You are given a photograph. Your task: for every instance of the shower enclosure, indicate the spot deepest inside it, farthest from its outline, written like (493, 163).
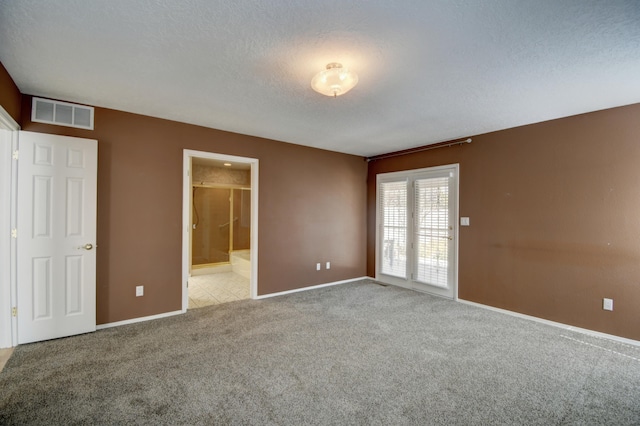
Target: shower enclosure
(221, 223)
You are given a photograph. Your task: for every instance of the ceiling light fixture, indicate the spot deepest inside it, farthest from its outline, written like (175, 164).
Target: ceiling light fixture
(334, 81)
(227, 164)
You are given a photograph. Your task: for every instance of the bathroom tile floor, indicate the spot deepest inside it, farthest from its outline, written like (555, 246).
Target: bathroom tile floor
(213, 289)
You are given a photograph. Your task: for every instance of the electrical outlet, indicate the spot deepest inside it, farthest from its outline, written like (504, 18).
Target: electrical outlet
(328, 265)
(139, 290)
(607, 304)
(318, 267)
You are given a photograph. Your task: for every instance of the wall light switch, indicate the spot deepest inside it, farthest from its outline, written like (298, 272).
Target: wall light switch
(607, 304)
(318, 267)
(139, 290)
(464, 221)
(328, 265)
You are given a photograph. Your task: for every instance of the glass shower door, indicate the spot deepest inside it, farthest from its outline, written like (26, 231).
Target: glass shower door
(210, 237)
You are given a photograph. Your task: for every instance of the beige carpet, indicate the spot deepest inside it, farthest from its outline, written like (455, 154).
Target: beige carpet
(358, 353)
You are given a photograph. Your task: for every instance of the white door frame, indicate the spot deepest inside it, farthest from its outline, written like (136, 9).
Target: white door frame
(8, 192)
(456, 200)
(186, 217)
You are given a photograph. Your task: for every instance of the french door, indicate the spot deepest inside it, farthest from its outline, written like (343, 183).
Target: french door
(417, 229)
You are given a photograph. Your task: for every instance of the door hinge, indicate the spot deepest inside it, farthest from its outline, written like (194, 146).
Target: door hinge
(14, 233)
(14, 312)
(15, 154)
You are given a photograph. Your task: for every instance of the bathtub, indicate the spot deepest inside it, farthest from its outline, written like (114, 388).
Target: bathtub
(241, 262)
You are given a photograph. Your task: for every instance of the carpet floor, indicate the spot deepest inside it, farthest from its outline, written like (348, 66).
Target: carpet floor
(356, 354)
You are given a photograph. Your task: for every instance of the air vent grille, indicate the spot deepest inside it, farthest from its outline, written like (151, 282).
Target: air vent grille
(62, 113)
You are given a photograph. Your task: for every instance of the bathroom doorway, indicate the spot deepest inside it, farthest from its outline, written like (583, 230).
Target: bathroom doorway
(220, 229)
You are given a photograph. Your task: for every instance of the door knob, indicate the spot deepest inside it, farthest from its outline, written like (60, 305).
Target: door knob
(87, 246)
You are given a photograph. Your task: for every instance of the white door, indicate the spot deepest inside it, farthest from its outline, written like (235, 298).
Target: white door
(416, 239)
(56, 228)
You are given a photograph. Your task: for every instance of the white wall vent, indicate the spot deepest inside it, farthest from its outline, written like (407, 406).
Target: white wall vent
(62, 113)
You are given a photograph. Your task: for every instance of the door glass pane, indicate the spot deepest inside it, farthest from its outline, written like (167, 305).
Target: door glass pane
(432, 230)
(241, 219)
(211, 220)
(393, 250)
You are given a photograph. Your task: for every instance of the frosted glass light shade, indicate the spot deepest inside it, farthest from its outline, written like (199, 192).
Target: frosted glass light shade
(334, 81)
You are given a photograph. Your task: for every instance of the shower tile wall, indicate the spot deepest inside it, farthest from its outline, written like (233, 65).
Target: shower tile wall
(203, 174)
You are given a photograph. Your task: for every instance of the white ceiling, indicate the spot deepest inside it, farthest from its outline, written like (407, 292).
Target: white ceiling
(430, 70)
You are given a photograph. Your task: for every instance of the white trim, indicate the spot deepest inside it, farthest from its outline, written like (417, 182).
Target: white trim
(313, 287)
(136, 320)
(264, 296)
(8, 182)
(188, 155)
(554, 324)
(7, 121)
(14, 241)
(5, 242)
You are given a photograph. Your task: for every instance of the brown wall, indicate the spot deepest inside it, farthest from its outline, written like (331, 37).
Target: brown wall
(553, 208)
(312, 208)
(10, 96)
(555, 218)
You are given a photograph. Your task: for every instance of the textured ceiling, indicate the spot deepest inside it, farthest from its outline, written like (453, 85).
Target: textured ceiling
(430, 70)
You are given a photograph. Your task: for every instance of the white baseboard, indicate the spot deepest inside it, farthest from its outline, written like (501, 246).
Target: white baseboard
(264, 296)
(313, 287)
(555, 324)
(135, 320)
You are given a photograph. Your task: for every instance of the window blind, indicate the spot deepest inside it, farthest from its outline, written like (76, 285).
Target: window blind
(392, 199)
(432, 230)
